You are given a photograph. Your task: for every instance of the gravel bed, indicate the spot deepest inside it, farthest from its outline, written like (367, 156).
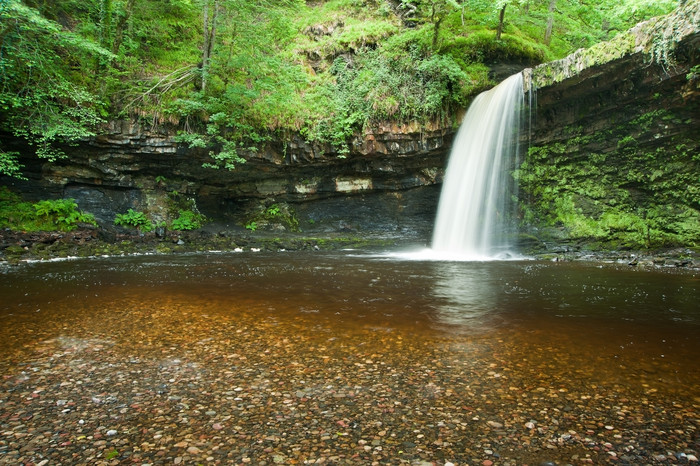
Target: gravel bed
(155, 378)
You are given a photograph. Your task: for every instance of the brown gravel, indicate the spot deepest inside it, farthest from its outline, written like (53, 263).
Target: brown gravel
(151, 376)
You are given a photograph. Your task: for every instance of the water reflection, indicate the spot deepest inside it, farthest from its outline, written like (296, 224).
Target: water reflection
(466, 295)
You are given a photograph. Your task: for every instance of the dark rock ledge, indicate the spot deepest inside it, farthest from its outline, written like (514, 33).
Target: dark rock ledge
(17, 248)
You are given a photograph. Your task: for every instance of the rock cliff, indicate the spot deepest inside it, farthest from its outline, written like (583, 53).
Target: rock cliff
(613, 159)
(614, 150)
(130, 165)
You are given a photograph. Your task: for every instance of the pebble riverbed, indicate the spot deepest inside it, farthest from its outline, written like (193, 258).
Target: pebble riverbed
(145, 374)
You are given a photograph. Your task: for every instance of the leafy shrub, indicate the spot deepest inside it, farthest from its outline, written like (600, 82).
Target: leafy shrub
(46, 215)
(64, 213)
(134, 219)
(188, 220)
(377, 86)
(188, 217)
(9, 165)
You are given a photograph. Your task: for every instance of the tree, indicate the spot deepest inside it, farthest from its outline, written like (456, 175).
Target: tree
(500, 7)
(461, 6)
(210, 10)
(433, 12)
(439, 9)
(550, 22)
(241, 76)
(501, 15)
(105, 23)
(42, 99)
(121, 26)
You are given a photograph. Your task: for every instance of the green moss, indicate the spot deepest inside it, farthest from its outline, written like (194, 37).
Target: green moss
(15, 250)
(657, 39)
(632, 196)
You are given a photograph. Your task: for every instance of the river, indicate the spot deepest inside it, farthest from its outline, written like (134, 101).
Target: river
(347, 358)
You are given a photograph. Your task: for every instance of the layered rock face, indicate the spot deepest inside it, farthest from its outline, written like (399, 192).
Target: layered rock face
(386, 184)
(614, 149)
(613, 159)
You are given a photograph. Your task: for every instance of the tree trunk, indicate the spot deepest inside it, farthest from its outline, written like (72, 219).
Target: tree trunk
(499, 30)
(105, 37)
(436, 17)
(550, 22)
(121, 25)
(436, 32)
(105, 22)
(209, 34)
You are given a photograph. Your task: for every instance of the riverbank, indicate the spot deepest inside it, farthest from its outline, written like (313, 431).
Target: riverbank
(19, 247)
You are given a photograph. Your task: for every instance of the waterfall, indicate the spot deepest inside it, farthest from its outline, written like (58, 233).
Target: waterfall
(476, 210)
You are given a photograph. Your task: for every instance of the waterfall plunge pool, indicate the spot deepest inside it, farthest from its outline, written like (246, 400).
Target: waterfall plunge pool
(348, 359)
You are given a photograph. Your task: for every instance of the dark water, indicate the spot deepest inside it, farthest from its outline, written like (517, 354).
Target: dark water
(590, 311)
(346, 289)
(515, 329)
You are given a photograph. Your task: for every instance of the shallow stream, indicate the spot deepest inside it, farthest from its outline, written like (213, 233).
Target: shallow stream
(347, 358)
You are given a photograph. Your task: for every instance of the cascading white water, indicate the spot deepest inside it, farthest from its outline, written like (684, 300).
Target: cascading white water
(475, 210)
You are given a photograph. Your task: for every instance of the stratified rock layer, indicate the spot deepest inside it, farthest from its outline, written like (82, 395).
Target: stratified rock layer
(613, 158)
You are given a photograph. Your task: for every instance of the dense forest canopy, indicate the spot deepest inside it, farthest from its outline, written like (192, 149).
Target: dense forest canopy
(231, 73)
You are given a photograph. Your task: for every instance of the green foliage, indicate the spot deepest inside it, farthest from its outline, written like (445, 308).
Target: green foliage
(188, 217)
(46, 215)
(378, 86)
(64, 213)
(9, 165)
(188, 220)
(268, 68)
(42, 97)
(227, 157)
(223, 139)
(272, 216)
(283, 214)
(135, 219)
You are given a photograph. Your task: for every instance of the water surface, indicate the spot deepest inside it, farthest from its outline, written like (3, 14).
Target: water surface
(348, 358)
